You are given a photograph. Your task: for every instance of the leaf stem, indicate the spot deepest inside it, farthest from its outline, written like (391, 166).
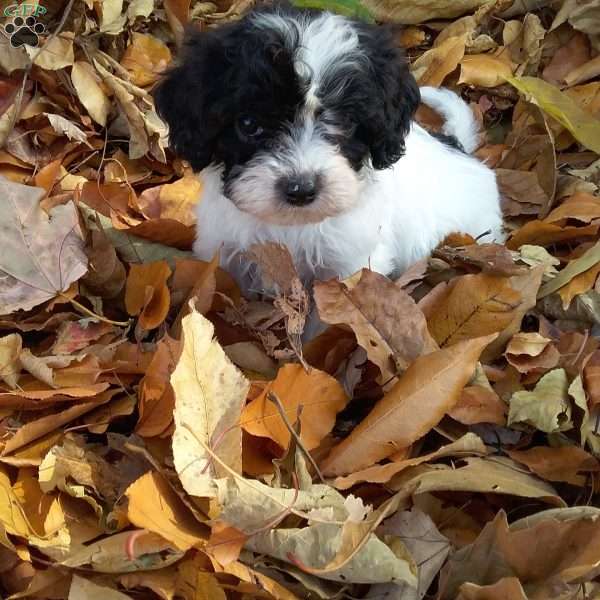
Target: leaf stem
(91, 313)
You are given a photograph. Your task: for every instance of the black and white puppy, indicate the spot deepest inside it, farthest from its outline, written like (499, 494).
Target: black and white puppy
(301, 126)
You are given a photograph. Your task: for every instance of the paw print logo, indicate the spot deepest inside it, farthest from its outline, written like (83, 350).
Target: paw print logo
(23, 31)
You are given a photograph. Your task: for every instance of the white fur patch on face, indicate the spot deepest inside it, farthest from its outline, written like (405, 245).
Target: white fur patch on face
(257, 189)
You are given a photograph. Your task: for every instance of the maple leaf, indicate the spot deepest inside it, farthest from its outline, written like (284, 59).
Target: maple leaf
(42, 252)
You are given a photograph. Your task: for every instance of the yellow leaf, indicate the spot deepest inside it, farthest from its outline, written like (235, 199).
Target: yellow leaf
(432, 67)
(84, 589)
(10, 348)
(209, 395)
(584, 127)
(56, 53)
(89, 92)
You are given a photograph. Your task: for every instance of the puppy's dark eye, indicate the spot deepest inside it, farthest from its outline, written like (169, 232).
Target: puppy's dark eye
(249, 127)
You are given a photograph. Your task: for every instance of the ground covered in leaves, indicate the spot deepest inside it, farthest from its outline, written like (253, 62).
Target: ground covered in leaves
(163, 437)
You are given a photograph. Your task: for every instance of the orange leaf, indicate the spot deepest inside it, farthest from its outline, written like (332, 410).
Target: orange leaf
(145, 58)
(320, 395)
(424, 394)
(475, 305)
(147, 294)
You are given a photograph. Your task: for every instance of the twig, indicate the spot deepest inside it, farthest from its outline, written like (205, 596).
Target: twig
(92, 314)
(275, 400)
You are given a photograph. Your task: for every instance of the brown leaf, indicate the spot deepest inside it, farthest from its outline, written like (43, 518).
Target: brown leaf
(147, 294)
(567, 58)
(501, 552)
(539, 233)
(591, 377)
(478, 404)
(531, 352)
(580, 206)
(156, 397)
(476, 305)
(422, 396)
(320, 396)
(565, 463)
(387, 322)
(42, 254)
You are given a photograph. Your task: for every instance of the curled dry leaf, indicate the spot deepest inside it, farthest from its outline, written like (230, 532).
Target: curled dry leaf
(387, 322)
(531, 351)
(314, 395)
(547, 407)
(429, 388)
(484, 70)
(42, 253)
(147, 294)
(436, 64)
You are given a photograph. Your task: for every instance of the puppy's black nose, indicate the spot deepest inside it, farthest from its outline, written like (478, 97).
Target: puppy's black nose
(300, 190)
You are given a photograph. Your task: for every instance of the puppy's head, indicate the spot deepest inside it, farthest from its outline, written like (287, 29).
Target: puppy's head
(293, 106)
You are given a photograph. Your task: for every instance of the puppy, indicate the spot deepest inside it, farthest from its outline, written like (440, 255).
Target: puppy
(300, 124)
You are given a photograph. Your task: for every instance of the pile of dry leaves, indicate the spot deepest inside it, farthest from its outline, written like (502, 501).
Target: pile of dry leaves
(163, 437)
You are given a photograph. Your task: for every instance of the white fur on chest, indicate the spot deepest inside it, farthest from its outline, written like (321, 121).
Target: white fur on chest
(403, 213)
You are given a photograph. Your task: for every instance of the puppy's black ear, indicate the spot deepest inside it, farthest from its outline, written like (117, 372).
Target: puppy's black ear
(394, 97)
(183, 98)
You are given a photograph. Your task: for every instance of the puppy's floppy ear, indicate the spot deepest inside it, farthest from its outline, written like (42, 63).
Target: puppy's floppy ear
(183, 98)
(394, 99)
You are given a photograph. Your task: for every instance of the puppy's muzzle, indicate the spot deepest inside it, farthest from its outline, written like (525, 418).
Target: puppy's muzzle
(300, 190)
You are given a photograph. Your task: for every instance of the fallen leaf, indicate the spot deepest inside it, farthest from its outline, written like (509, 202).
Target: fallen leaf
(147, 294)
(478, 404)
(57, 52)
(209, 395)
(436, 64)
(588, 261)
(495, 475)
(413, 12)
(174, 521)
(484, 70)
(43, 253)
(10, 368)
(531, 351)
(156, 396)
(84, 589)
(566, 463)
(90, 93)
(387, 322)
(538, 233)
(499, 552)
(547, 407)
(580, 206)
(469, 444)
(476, 305)
(417, 402)
(319, 395)
(145, 58)
(561, 107)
